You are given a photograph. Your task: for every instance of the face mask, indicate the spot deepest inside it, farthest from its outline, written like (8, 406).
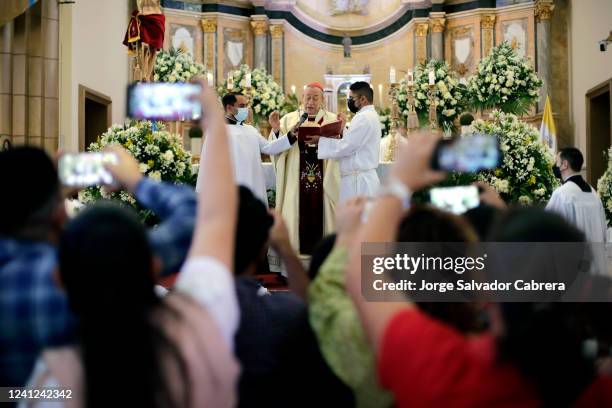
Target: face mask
(351, 105)
(241, 115)
(557, 171)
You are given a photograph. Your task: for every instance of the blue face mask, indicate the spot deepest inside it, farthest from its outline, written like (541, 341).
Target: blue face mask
(242, 114)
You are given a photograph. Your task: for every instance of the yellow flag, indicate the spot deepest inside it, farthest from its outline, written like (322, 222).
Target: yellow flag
(548, 131)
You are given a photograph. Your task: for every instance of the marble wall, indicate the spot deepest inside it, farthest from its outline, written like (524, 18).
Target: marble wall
(29, 52)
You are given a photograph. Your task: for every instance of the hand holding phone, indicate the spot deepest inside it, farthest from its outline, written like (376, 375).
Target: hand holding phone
(86, 169)
(456, 200)
(468, 154)
(164, 101)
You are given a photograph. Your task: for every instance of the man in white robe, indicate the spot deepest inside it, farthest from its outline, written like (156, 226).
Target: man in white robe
(246, 147)
(358, 150)
(579, 204)
(306, 188)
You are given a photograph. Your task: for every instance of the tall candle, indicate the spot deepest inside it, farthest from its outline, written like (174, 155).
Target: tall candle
(410, 78)
(392, 78)
(432, 77)
(380, 92)
(293, 89)
(230, 80)
(247, 80)
(210, 78)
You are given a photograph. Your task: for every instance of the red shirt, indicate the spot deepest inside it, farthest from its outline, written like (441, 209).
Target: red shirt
(425, 363)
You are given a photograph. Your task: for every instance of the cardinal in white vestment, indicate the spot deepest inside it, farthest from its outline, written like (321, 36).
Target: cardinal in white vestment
(306, 187)
(579, 204)
(247, 145)
(358, 150)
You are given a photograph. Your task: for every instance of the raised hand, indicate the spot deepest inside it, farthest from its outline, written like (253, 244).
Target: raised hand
(413, 164)
(274, 120)
(126, 171)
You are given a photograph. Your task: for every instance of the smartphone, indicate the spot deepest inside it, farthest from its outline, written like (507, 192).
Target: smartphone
(456, 200)
(86, 169)
(469, 154)
(164, 101)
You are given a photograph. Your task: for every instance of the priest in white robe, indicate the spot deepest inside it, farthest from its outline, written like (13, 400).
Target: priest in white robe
(579, 204)
(306, 187)
(358, 150)
(247, 145)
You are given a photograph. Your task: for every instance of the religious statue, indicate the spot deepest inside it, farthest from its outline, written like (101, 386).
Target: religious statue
(339, 7)
(144, 37)
(346, 43)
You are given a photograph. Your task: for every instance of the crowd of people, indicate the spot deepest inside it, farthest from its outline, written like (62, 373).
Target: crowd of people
(79, 309)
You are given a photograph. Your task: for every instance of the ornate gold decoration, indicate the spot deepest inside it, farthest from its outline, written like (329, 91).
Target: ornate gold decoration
(437, 25)
(276, 31)
(260, 27)
(210, 52)
(487, 22)
(487, 42)
(209, 25)
(421, 29)
(543, 9)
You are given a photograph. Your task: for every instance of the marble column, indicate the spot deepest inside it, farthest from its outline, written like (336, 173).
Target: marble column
(487, 34)
(209, 26)
(278, 58)
(6, 48)
(50, 74)
(437, 37)
(543, 11)
(260, 43)
(420, 42)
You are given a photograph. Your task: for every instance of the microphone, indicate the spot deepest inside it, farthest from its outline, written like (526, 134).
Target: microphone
(303, 119)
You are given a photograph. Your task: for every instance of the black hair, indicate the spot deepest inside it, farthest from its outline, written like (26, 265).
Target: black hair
(364, 89)
(482, 218)
(252, 230)
(466, 119)
(573, 156)
(544, 339)
(119, 340)
(230, 99)
(30, 189)
(428, 224)
(320, 253)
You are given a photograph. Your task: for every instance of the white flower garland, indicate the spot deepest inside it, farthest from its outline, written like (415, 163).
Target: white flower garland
(175, 66)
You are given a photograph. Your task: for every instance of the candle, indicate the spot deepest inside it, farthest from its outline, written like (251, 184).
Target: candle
(248, 80)
(230, 81)
(432, 77)
(293, 89)
(392, 75)
(380, 92)
(304, 87)
(410, 78)
(209, 78)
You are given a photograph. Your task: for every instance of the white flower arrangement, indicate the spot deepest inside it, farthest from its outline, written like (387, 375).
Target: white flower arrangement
(175, 65)
(525, 175)
(266, 95)
(504, 81)
(604, 189)
(449, 95)
(161, 156)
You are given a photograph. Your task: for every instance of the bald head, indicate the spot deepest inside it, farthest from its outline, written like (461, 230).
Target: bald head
(312, 99)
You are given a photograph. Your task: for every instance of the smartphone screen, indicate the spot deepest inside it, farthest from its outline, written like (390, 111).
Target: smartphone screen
(164, 101)
(468, 154)
(85, 169)
(456, 200)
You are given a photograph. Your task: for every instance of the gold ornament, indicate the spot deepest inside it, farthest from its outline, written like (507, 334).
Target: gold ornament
(259, 27)
(209, 25)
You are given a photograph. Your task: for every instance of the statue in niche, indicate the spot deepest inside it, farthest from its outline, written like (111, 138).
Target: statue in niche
(347, 43)
(339, 7)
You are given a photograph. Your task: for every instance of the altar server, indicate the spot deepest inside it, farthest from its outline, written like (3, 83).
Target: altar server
(247, 145)
(358, 150)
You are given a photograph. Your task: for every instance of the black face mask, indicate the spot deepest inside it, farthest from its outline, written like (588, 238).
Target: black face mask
(351, 105)
(557, 172)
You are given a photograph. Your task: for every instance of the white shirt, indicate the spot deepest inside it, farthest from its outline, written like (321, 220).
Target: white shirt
(581, 209)
(357, 153)
(246, 147)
